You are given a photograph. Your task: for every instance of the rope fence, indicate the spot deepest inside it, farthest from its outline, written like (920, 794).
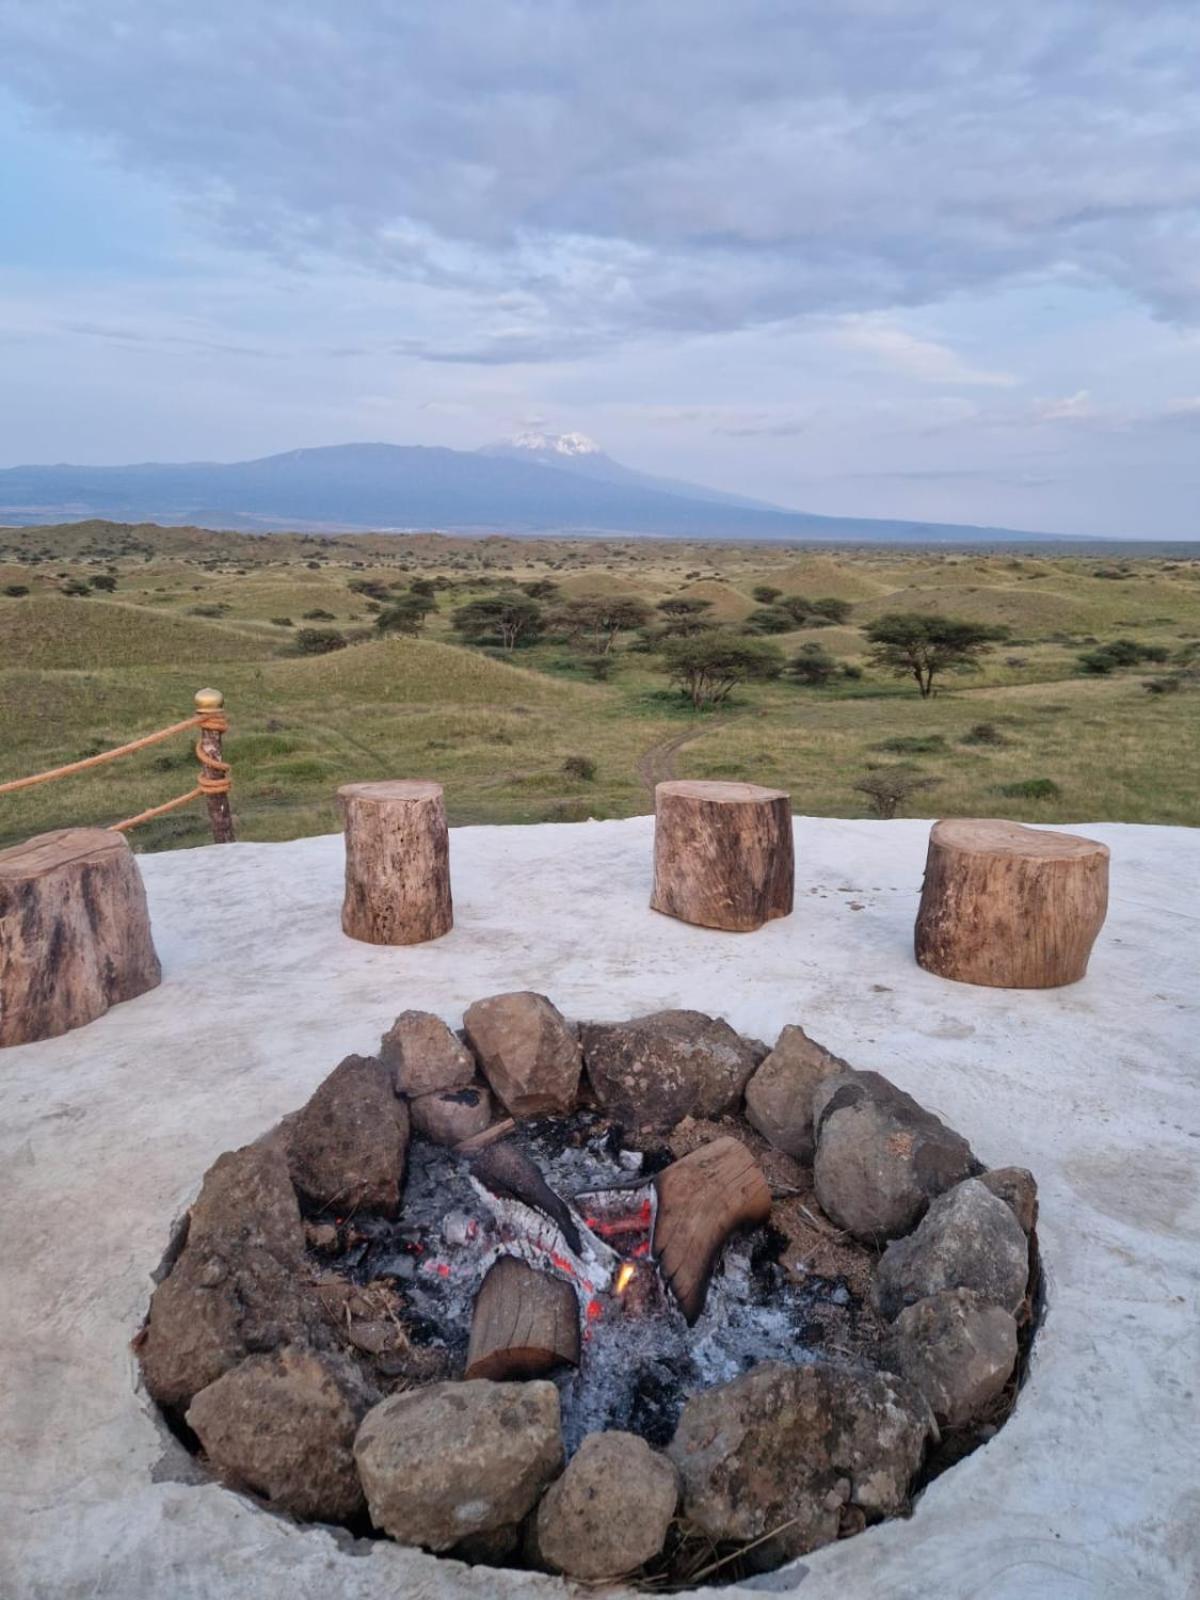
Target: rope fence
(212, 785)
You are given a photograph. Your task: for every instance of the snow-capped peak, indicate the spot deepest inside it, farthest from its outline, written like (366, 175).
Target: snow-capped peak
(557, 444)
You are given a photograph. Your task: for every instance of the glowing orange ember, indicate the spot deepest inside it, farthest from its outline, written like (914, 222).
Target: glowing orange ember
(624, 1276)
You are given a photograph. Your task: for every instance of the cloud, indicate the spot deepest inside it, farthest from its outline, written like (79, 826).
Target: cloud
(923, 359)
(623, 168)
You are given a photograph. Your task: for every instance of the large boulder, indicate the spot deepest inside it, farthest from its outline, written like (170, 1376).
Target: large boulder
(880, 1157)
(655, 1070)
(1017, 1187)
(969, 1239)
(234, 1287)
(779, 1097)
(458, 1460)
(452, 1115)
(283, 1427)
(795, 1445)
(348, 1145)
(957, 1349)
(528, 1051)
(609, 1512)
(423, 1055)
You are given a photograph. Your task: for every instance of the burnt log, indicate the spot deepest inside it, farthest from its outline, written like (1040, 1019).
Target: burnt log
(397, 862)
(524, 1324)
(1010, 907)
(701, 1200)
(74, 932)
(723, 854)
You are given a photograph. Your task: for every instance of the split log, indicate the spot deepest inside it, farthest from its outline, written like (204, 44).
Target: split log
(524, 1324)
(397, 862)
(701, 1200)
(722, 854)
(1008, 906)
(74, 932)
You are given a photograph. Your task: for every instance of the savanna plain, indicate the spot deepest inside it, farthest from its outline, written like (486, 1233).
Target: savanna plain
(545, 680)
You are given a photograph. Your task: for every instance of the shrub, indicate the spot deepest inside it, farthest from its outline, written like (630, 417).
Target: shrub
(1030, 789)
(766, 594)
(406, 614)
(983, 733)
(582, 767)
(812, 665)
(319, 641)
(216, 610)
(887, 788)
(15, 590)
(104, 582)
(283, 622)
(770, 619)
(920, 744)
(1120, 653)
(317, 615)
(75, 586)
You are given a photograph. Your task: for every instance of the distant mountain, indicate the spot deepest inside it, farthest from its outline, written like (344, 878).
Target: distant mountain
(568, 486)
(575, 452)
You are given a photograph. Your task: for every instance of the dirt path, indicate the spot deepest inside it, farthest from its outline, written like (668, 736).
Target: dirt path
(656, 764)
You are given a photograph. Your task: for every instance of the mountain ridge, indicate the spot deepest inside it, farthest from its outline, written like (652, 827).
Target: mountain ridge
(403, 488)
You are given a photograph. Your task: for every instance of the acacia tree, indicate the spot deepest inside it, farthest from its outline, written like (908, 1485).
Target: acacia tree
(406, 614)
(920, 647)
(709, 666)
(510, 617)
(601, 618)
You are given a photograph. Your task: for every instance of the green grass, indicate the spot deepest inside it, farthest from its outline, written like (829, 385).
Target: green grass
(80, 675)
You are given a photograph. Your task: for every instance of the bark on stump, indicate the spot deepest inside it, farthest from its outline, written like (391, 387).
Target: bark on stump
(74, 932)
(722, 854)
(525, 1323)
(397, 862)
(1008, 906)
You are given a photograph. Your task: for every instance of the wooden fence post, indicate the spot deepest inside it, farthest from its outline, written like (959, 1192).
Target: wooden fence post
(214, 779)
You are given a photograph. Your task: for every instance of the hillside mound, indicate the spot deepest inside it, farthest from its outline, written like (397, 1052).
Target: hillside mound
(55, 633)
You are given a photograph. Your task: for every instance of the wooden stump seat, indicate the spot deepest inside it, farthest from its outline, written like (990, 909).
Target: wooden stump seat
(74, 932)
(722, 854)
(397, 862)
(1009, 906)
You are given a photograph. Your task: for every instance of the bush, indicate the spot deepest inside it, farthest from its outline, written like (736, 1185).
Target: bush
(15, 590)
(983, 733)
(217, 610)
(1030, 789)
(582, 767)
(887, 788)
(921, 744)
(75, 586)
(766, 594)
(317, 615)
(1120, 653)
(104, 582)
(812, 665)
(319, 641)
(283, 622)
(770, 619)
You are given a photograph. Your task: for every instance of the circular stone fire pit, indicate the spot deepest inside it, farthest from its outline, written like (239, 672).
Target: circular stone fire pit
(612, 1299)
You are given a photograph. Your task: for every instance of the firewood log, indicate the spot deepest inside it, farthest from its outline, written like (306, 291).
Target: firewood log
(524, 1324)
(701, 1200)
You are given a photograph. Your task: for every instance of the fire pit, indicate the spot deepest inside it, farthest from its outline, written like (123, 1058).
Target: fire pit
(691, 1308)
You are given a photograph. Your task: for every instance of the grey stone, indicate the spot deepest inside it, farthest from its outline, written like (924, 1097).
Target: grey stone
(797, 1445)
(453, 1115)
(347, 1146)
(528, 1052)
(1017, 1187)
(283, 1427)
(969, 1239)
(880, 1157)
(458, 1460)
(609, 1512)
(779, 1097)
(655, 1070)
(234, 1288)
(957, 1349)
(423, 1055)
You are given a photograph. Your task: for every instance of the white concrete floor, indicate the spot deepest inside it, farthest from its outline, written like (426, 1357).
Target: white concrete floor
(1093, 1487)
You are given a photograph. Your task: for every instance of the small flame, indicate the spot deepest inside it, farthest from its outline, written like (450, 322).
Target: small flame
(624, 1276)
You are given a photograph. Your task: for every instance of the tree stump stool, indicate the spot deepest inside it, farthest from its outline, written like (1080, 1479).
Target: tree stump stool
(397, 862)
(74, 932)
(1009, 906)
(722, 854)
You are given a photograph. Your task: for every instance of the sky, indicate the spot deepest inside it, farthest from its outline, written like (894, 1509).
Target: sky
(884, 258)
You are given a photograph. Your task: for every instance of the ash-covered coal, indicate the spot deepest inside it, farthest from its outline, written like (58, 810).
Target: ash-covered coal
(639, 1359)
